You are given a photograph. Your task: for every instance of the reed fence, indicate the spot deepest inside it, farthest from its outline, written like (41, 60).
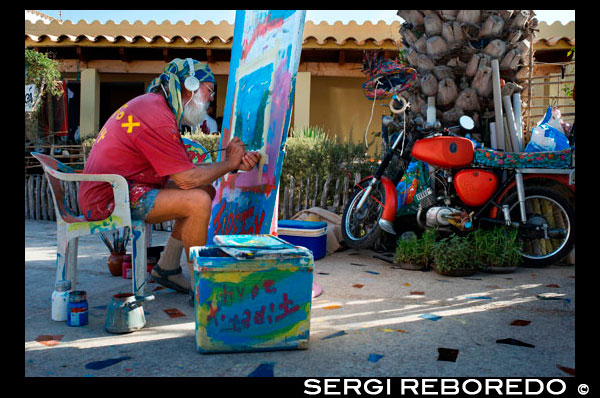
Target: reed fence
(298, 194)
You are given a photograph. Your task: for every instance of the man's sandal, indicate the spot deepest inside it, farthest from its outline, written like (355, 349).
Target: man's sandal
(163, 278)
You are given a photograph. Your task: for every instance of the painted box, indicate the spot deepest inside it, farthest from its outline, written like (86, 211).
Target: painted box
(309, 234)
(252, 293)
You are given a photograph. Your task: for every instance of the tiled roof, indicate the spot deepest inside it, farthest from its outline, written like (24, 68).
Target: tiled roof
(208, 34)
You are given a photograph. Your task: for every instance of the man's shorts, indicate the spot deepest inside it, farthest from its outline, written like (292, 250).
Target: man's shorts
(141, 207)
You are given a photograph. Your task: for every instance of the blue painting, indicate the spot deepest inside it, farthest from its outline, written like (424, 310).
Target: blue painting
(264, 63)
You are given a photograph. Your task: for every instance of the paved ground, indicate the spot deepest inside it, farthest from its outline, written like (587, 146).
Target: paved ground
(399, 323)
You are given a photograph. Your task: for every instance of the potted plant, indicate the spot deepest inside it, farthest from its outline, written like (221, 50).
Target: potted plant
(415, 253)
(452, 256)
(496, 250)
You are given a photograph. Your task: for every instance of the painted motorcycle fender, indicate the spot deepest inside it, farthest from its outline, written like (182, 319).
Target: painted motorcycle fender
(561, 178)
(391, 198)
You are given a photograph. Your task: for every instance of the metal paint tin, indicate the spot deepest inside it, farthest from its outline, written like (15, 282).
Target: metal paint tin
(127, 266)
(77, 308)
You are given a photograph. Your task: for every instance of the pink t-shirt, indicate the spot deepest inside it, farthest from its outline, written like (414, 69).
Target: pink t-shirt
(141, 142)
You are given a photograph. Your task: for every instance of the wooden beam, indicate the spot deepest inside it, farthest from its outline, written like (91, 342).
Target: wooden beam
(342, 57)
(117, 66)
(123, 54)
(332, 69)
(165, 53)
(209, 56)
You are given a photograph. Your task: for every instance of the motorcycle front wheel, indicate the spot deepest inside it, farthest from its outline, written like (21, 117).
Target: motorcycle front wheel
(544, 207)
(360, 227)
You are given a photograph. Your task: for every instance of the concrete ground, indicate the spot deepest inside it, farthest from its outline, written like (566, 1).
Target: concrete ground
(373, 319)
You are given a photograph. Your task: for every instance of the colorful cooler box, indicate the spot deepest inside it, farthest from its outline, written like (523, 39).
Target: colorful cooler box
(252, 293)
(309, 234)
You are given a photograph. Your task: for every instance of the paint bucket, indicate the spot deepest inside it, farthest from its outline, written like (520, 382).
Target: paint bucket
(126, 267)
(77, 308)
(125, 313)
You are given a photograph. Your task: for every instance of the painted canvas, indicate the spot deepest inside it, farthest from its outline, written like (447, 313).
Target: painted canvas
(264, 62)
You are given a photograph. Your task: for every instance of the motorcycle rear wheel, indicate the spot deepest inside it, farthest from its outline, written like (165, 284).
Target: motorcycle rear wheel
(544, 205)
(360, 228)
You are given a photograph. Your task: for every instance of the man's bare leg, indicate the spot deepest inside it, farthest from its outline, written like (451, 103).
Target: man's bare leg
(191, 209)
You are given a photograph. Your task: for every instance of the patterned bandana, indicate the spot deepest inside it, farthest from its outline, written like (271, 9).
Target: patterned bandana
(173, 76)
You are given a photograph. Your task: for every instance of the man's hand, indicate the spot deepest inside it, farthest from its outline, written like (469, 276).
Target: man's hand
(249, 160)
(234, 153)
(238, 158)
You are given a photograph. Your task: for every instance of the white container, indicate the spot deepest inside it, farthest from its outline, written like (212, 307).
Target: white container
(60, 299)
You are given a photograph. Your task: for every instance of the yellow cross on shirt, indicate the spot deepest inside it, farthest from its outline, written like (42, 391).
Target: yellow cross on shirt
(130, 125)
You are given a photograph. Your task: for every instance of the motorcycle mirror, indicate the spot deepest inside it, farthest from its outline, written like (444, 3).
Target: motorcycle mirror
(466, 122)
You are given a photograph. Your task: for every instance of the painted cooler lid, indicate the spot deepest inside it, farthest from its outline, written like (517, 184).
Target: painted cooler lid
(244, 247)
(297, 224)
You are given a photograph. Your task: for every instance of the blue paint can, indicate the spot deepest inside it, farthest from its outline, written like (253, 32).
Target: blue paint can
(77, 308)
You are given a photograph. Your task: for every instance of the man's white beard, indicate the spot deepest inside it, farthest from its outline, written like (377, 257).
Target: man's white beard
(194, 111)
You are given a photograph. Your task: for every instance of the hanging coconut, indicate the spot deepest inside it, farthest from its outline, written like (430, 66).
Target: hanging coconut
(433, 25)
(469, 16)
(413, 17)
(468, 100)
(448, 32)
(492, 27)
(524, 47)
(505, 14)
(482, 82)
(495, 49)
(447, 92)
(408, 36)
(442, 72)
(425, 64)
(458, 32)
(520, 19)
(436, 47)
(449, 15)
(452, 115)
(421, 44)
(511, 60)
(412, 56)
(429, 85)
(514, 36)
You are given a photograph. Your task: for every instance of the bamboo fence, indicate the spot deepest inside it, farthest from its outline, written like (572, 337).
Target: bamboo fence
(297, 195)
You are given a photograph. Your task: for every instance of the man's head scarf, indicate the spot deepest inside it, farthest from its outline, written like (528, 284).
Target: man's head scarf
(172, 78)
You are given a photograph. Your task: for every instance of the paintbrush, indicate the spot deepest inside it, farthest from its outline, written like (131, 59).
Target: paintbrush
(107, 243)
(222, 149)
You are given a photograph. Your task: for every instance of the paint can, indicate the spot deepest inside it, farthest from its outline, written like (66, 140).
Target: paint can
(127, 268)
(60, 298)
(77, 308)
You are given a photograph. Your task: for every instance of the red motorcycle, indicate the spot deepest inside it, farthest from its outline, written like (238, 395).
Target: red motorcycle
(464, 193)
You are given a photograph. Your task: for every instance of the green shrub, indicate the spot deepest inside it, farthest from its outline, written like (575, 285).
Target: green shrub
(417, 251)
(496, 247)
(453, 253)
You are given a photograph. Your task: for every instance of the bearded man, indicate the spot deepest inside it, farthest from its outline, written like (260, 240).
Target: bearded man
(141, 141)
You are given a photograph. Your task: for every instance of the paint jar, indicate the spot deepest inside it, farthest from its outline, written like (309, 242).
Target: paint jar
(126, 268)
(60, 298)
(77, 309)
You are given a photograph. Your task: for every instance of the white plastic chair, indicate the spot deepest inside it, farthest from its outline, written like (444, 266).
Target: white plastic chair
(70, 227)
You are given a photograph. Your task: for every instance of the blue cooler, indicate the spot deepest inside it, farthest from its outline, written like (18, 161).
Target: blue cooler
(309, 234)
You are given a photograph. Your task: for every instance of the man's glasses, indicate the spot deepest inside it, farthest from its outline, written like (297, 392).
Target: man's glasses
(212, 92)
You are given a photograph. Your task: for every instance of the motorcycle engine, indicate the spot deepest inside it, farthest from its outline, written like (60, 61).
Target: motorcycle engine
(442, 216)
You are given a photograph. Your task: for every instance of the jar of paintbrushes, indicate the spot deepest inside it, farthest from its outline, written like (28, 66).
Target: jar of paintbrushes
(117, 247)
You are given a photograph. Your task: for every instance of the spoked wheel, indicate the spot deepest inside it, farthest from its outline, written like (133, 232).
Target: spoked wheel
(360, 227)
(549, 233)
